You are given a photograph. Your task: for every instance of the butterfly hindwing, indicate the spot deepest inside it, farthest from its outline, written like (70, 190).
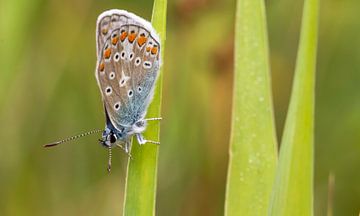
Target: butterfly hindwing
(127, 66)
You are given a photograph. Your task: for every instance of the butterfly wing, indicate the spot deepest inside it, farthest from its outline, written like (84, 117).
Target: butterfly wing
(128, 61)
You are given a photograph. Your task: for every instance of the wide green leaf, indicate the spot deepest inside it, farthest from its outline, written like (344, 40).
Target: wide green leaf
(293, 188)
(253, 145)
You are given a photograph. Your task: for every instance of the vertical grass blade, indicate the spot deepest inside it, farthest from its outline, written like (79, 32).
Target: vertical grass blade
(331, 190)
(293, 188)
(140, 192)
(253, 144)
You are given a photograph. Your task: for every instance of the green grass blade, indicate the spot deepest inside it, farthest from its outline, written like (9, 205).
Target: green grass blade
(140, 193)
(253, 145)
(293, 189)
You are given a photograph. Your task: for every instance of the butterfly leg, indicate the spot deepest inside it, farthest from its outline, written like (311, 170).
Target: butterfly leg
(153, 119)
(142, 141)
(126, 149)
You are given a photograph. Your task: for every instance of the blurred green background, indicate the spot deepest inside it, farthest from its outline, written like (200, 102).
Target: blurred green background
(48, 91)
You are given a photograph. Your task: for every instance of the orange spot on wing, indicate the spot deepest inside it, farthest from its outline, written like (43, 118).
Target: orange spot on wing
(107, 53)
(154, 50)
(102, 66)
(115, 40)
(148, 49)
(123, 36)
(141, 40)
(104, 31)
(132, 37)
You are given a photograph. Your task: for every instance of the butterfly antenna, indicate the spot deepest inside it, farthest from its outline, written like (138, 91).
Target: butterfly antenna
(72, 138)
(109, 162)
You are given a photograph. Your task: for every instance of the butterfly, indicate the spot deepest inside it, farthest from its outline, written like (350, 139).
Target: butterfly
(128, 63)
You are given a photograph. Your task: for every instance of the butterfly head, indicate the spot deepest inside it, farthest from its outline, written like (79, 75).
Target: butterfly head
(111, 136)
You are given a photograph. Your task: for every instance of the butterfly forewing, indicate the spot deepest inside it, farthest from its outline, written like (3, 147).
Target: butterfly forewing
(128, 65)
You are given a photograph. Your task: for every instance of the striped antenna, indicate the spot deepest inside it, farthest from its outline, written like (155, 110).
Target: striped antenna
(72, 138)
(109, 162)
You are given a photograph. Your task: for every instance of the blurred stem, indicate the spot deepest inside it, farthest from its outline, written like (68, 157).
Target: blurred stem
(253, 145)
(331, 188)
(140, 192)
(16, 18)
(293, 189)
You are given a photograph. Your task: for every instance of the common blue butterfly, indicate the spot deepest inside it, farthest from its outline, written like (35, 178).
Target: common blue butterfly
(128, 62)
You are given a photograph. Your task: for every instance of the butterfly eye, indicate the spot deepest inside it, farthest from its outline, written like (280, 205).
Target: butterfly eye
(112, 138)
